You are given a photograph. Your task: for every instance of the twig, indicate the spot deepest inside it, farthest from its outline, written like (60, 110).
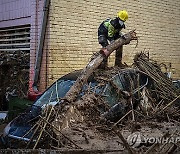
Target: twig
(118, 133)
(29, 132)
(133, 117)
(172, 148)
(168, 117)
(154, 146)
(49, 134)
(162, 83)
(61, 133)
(121, 119)
(158, 104)
(43, 128)
(139, 113)
(33, 135)
(170, 104)
(151, 148)
(86, 151)
(167, 141)
(57, 95)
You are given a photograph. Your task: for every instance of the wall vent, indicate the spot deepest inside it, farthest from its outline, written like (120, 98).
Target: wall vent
(15, 38)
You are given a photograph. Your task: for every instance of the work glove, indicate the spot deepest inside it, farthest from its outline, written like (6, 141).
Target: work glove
(120, 34)
(112, 41)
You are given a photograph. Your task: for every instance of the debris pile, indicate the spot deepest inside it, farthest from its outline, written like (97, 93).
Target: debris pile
(147, 101)
(109, 112)
(14, 75)
(163, 85)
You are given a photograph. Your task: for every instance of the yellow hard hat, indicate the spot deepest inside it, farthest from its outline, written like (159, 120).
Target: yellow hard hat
(123, 15)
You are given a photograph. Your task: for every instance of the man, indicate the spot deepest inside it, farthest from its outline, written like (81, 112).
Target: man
(109, 30)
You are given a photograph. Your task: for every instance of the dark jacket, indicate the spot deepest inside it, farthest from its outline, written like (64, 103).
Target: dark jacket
(110, 28)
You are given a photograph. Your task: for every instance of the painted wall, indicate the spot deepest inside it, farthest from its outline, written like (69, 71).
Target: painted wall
(15, 12)
(22, 12)
(73, 32)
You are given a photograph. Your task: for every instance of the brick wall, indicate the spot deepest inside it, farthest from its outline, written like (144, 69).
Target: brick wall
(73, 24)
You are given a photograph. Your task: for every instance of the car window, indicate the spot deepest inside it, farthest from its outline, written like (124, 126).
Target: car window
(110, 94)
(126, 80)
(59, 89)
(55, 92)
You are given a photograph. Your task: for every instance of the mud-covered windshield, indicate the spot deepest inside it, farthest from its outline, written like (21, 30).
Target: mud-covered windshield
(55, 92)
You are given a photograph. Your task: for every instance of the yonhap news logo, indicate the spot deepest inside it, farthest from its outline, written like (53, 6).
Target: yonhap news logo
(136, 139)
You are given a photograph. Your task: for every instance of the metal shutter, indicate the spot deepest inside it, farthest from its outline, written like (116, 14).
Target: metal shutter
(15, 38)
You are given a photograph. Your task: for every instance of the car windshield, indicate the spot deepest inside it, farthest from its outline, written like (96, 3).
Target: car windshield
(55, 92)
(59, 89)
(126, 80)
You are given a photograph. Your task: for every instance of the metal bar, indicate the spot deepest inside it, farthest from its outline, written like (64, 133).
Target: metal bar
(14, 44)
(41, 43)
(15, 34)
(11, 29)
(16, 49)
(15, 39)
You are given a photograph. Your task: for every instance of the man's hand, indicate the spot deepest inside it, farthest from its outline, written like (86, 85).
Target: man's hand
(112, 41)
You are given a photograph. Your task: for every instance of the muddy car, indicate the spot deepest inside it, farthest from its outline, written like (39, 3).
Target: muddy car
(127, 80)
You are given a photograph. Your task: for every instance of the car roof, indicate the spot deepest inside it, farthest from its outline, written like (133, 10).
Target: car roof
(74, 75)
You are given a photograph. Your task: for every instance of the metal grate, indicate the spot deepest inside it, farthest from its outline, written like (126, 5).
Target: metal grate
(15, 38)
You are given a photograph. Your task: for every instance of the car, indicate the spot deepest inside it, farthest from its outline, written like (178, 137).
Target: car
(177, 84)
(125, 80)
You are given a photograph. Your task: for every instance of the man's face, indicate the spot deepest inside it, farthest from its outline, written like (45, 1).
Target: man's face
(121, 23)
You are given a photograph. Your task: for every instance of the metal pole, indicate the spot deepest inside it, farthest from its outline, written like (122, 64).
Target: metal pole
(41, 44)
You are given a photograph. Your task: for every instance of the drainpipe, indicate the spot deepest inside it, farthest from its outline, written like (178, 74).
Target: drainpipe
(34, 92)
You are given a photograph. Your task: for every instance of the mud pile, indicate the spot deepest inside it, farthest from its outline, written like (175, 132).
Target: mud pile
(126, 112)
